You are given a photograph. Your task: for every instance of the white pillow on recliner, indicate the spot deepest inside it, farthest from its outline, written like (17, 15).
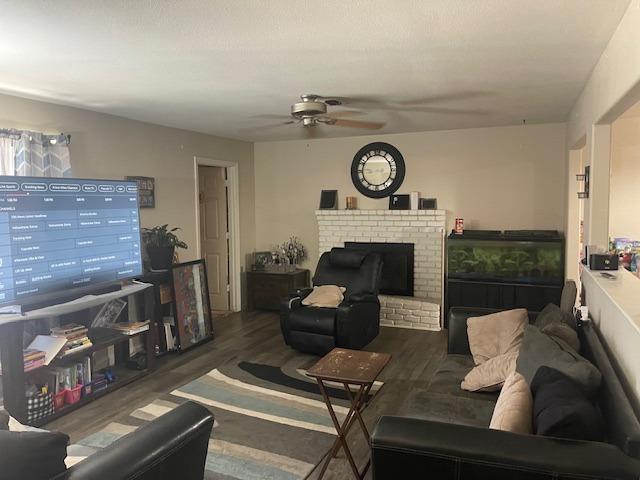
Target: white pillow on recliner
(328, 296)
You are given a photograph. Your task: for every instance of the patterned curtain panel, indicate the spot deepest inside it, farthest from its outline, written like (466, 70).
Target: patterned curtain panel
(7, 155)
(39, 155)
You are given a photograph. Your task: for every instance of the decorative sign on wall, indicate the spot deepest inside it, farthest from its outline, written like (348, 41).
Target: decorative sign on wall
(146, 191)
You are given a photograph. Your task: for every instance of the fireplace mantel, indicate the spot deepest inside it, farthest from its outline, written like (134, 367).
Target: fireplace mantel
(424, 228)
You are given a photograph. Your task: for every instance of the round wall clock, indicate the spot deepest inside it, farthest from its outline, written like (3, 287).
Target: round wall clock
(377, 170)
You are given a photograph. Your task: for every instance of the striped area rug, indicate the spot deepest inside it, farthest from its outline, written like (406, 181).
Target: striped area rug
(270, 422)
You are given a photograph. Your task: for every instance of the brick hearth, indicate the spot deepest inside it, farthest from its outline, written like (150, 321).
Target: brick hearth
(424, 228)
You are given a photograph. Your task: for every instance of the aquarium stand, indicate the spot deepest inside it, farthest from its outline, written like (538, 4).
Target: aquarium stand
(504, 270)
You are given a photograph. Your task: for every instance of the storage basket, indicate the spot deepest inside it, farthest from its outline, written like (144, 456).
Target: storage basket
(58, 400)
(39, 406)
(72, 395)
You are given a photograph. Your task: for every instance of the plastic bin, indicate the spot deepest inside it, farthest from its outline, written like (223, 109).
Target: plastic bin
(72, 395)
(58, 400)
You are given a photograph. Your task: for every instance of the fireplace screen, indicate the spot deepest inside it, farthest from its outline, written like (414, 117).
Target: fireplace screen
(397, 270)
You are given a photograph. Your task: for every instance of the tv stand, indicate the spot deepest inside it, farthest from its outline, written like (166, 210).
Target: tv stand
(66, 298)
(141, 304)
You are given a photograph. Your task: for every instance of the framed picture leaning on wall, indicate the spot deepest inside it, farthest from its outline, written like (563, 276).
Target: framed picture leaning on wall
(191, 304)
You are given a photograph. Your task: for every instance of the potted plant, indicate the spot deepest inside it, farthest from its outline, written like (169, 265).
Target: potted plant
(161, 243)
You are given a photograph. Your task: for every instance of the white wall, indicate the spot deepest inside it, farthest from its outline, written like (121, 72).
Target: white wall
(106, 146)
(609, 91)
(502, 178)
(624, 217)
(612, 88)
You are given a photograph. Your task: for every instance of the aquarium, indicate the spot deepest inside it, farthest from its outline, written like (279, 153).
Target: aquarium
(508, 261)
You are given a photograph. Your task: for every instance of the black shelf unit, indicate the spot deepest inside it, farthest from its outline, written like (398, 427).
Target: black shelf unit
(14, 378)
(504, 270)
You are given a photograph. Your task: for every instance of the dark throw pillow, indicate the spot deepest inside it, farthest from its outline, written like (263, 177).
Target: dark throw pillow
(32, 455)
(562, 409)
(538, 349)
(552, 314)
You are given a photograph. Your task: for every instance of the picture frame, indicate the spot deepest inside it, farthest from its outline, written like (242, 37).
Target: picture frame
(146, 190)
(191, 304)
(261, 260)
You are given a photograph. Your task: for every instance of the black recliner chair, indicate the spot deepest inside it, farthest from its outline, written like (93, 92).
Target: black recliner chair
(354, 323)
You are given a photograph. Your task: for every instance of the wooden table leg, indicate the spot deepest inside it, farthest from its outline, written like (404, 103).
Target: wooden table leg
(342, 430)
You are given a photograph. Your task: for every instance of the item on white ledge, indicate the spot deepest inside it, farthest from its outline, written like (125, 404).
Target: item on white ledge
(414, 200)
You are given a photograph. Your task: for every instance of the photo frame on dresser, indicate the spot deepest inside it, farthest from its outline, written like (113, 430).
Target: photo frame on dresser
(191, 304)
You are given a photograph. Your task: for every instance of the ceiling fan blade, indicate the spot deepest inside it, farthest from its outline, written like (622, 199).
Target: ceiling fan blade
(372, 103)
(448, 111)
(358, 124)
(345, 113)
(445, 97)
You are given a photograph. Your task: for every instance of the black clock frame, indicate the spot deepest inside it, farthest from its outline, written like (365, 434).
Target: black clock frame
(400, 170)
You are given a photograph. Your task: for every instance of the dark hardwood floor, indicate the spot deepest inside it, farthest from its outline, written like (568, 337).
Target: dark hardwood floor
(256, 336)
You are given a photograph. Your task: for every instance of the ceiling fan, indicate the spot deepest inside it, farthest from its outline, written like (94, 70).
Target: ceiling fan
(312, 110)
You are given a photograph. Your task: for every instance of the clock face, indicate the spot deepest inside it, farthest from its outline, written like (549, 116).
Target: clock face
(377, 170)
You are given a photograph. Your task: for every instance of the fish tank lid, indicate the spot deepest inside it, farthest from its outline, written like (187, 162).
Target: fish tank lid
(520, 235)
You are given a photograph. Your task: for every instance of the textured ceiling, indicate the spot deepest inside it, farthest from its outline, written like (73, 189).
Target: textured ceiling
(218, 66)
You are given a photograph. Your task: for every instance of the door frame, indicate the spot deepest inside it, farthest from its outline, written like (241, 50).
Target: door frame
(233, 215)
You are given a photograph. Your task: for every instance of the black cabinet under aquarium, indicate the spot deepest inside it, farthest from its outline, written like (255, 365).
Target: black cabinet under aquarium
(511, 269)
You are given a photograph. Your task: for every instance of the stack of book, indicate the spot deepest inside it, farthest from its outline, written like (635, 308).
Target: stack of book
(130, 328)
(32, 359)
(76, 335)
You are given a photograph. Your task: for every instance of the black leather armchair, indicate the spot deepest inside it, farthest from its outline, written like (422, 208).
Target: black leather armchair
(173, 446)
(354, 323)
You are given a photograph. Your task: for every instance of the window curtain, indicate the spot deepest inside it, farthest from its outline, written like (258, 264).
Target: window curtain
(39, 155)
(7, 156)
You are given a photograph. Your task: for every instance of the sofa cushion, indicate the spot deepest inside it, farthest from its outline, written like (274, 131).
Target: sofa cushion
(514, 407)
(552, 314)
(538, 350)
(313, 320)
(495, 334)
(562, 409)
(490, 375)
(563, 332)
(327, 296)
(443, 400)
(32, 455)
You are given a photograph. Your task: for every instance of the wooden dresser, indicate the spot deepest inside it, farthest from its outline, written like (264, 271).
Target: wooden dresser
(266, 289)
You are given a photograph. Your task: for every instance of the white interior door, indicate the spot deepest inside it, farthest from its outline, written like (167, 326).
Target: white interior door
(214, 233)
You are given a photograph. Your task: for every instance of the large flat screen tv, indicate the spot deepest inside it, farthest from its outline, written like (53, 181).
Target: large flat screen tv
(60, 236)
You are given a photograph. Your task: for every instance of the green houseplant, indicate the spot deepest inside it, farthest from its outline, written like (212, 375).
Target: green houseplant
(161, 242)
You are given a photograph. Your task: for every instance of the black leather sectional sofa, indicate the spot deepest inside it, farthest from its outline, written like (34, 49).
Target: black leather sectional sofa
(446, 436)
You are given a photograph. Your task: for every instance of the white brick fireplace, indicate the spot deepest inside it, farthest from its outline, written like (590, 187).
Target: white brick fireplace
(425, 229)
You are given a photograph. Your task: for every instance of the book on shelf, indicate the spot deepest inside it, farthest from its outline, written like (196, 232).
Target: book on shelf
(75, 336)
(71, 376)
(68, 329)
(49, 344)
(33, 359)
(130, 328)
(28, 366)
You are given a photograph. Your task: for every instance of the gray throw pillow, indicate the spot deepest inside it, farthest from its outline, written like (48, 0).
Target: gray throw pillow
(538, 349)
(552, 314)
